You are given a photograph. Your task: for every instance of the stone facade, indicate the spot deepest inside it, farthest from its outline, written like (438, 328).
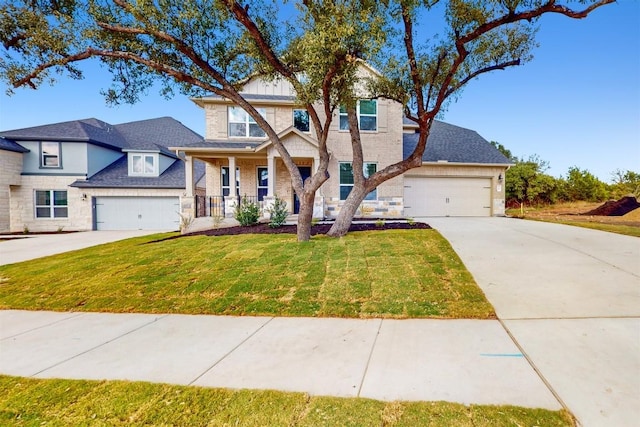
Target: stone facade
(10, 169)
(23, 210)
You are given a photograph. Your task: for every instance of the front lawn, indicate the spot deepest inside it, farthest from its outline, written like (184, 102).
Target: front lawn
(391, 273)
(34, 402)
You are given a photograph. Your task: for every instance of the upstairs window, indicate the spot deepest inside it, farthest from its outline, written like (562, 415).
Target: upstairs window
(346, 179)
(50, 155)
(143, 164)
(301, 120)
(242, 125)
(51, 204)
(367, 111)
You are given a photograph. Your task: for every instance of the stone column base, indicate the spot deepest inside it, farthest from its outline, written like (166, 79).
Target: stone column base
(267, 204)
(230, 203)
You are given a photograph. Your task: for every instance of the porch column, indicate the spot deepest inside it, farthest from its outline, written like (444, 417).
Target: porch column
(318, 202)
(188, 201)
(270, 198)
(231, 200)
(232, 177)
(188, 176)
(271, 176)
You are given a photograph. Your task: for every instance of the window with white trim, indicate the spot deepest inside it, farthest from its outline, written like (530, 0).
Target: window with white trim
(242, 125)
(50, 155)
(143, 164)
(226, 187)
(263, 182)
(367, 111)
(51, 204)
(346, 179)
(301, 120)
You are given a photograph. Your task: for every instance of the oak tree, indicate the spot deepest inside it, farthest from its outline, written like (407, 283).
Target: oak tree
(199, 47)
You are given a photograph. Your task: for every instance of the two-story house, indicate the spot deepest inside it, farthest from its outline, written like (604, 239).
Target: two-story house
(462, 174)
(91, 175)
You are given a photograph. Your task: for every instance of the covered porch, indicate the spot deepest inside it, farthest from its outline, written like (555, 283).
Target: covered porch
(255, 170)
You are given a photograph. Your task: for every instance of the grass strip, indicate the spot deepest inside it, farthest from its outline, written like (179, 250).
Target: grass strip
(53, 402)
(391, 274)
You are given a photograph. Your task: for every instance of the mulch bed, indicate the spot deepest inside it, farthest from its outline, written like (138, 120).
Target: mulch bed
(615, 207)
(315, 229)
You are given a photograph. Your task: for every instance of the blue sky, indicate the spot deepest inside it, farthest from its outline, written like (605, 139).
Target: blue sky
(576, 104)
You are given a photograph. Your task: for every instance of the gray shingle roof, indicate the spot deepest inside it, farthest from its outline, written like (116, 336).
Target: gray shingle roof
(454, 144)
(9, 145)
(147, 135)
(157, 134)
(116, 175)
(88, 130)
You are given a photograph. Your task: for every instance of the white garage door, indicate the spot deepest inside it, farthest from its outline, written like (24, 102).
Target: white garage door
(137, 213)
(447, 196)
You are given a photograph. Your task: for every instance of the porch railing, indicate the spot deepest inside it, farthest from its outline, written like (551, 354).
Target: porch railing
(215, 206)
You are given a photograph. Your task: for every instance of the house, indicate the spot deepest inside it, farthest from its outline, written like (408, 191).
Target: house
(91, 175)
(461, 174)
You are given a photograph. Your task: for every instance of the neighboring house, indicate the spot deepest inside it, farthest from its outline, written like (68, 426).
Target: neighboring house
(90, 175)
(462, 174)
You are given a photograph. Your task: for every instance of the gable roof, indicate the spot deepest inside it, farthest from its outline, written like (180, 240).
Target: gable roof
(146, 135)
(156, 134)
(454, 144)
(87, 130)
(116, 175)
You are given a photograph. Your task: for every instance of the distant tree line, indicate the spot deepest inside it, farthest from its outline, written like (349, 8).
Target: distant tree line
(527, 182)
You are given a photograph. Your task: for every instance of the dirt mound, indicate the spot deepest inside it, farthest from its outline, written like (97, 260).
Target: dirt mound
(615, 207)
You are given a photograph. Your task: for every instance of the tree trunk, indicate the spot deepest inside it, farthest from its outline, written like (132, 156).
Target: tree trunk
(341, 226)
(305, 215)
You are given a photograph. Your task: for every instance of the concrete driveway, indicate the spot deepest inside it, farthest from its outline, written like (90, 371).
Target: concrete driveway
(32, 246)
(570, 297)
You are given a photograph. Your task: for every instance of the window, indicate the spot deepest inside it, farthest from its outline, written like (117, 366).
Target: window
(346, 179)
(51, 204)
(143, 164)
(367, 111)
(226, 188)
(242, 124)
(50, 155)
(301, 120)
(263, 182)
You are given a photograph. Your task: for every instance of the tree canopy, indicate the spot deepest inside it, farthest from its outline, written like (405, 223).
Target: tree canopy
(212, 46)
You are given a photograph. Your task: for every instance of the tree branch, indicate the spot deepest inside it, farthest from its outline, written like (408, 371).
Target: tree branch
(476, 73)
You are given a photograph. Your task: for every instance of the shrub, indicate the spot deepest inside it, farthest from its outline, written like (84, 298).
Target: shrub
(247, 212)
(278, 213)
(185, 222)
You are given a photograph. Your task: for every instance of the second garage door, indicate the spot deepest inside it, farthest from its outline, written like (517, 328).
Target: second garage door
(447, 196)
(137, 213)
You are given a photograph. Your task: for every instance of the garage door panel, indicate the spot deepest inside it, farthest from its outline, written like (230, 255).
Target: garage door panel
(430, 196)
(137, 213)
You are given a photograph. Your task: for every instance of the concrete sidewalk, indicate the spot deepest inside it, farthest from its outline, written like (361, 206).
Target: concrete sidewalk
(466, 361)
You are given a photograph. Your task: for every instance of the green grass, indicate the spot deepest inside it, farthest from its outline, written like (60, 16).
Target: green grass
(626, 230)
(392, 273)
(34, 402)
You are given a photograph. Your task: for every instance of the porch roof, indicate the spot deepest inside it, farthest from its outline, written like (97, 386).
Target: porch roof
(220, 146)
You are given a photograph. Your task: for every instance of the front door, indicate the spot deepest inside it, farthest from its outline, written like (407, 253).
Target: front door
(305, 172)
